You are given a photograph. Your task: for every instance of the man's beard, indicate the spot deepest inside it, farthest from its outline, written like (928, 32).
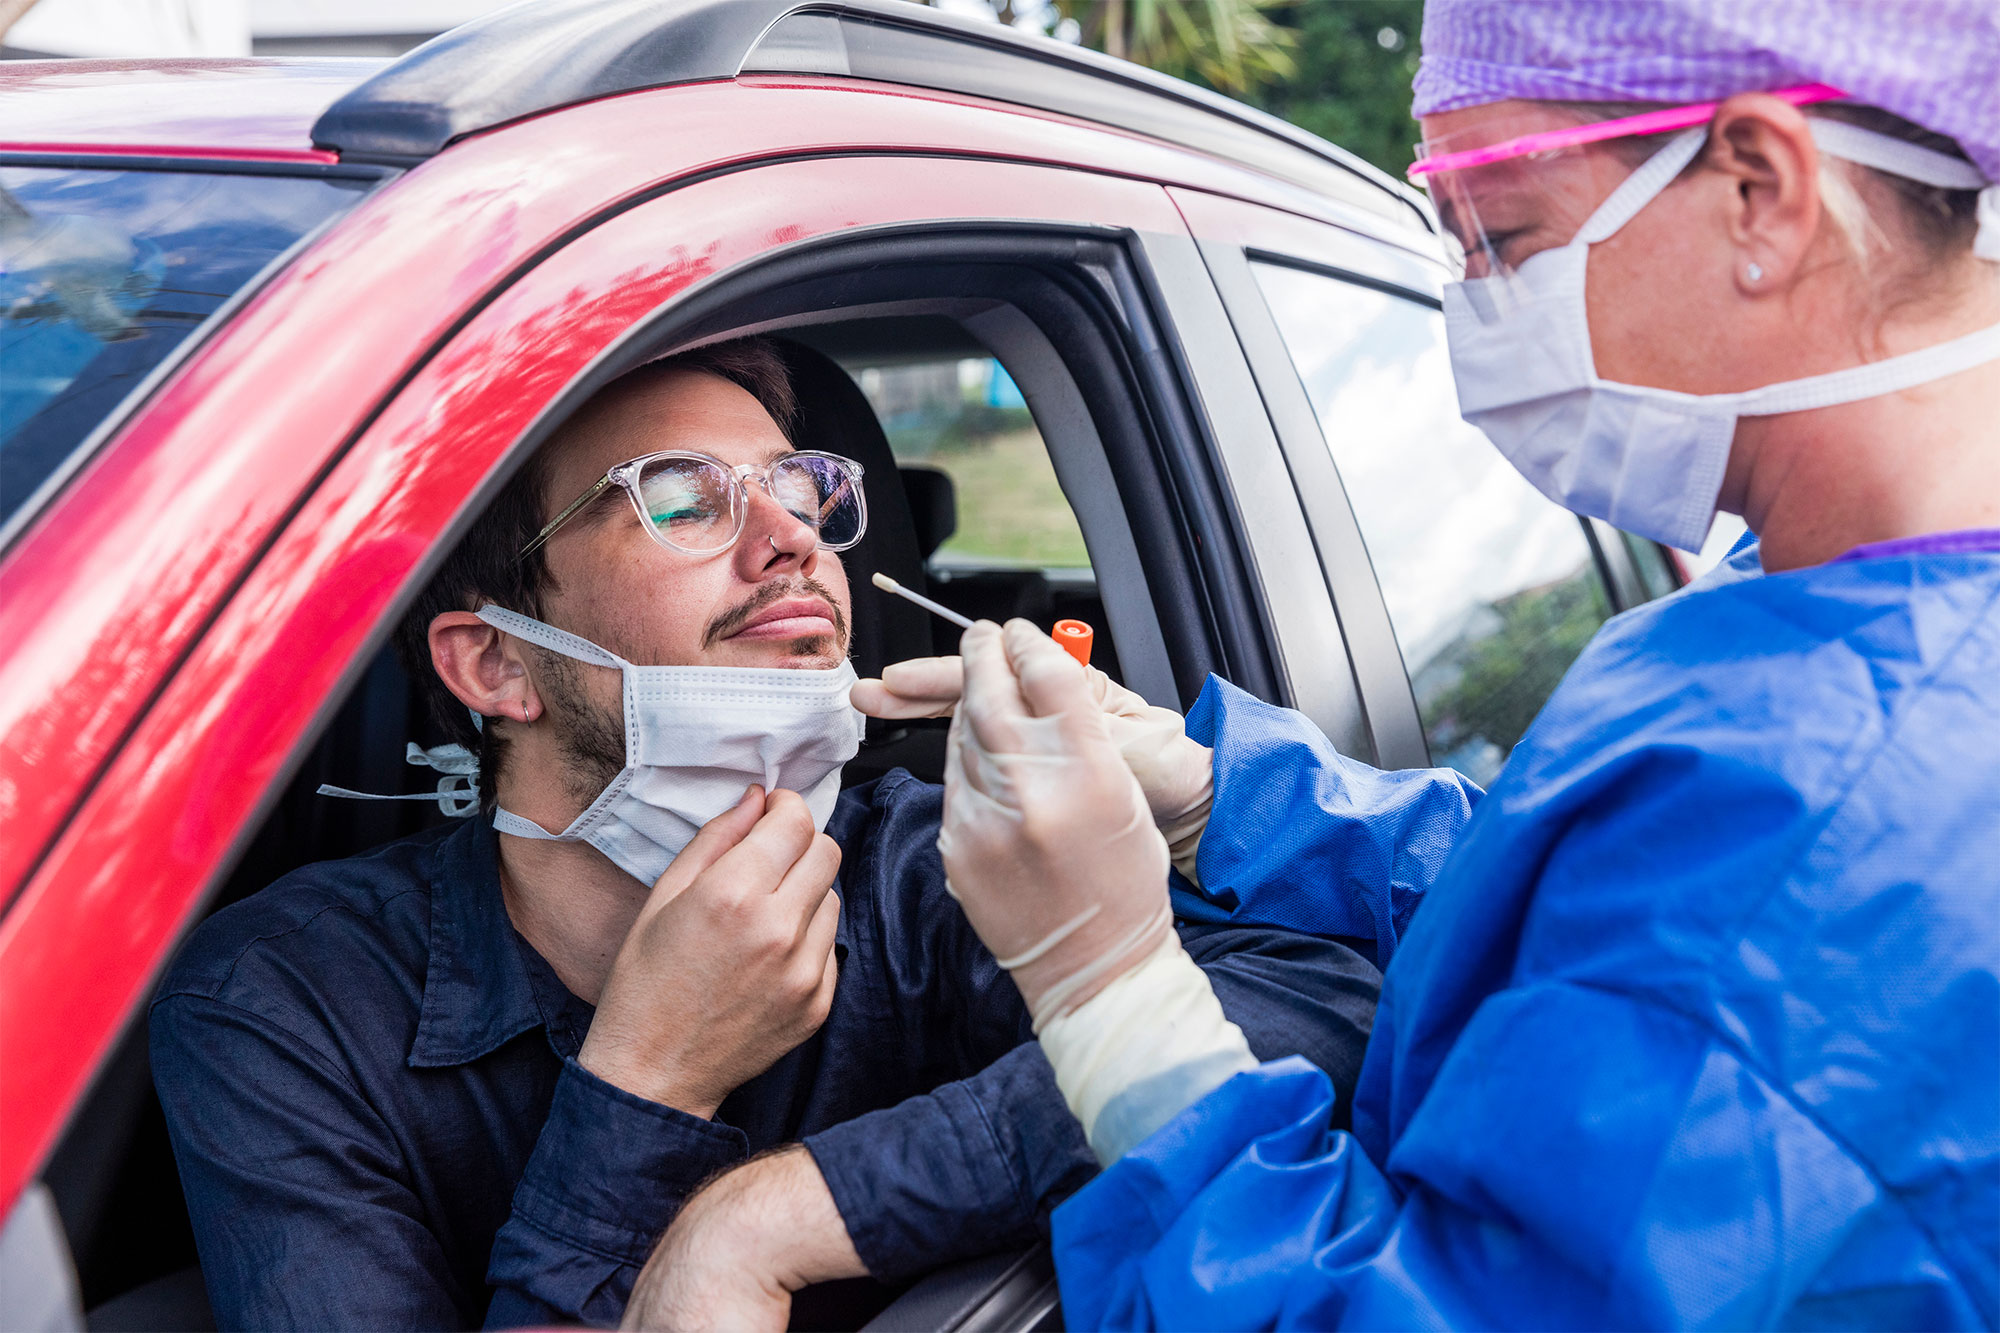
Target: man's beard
(592, 737)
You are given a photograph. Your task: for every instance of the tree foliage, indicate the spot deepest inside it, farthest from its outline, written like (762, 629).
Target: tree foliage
(1340, 69)
(1499, 679)
(1355, 61)
(1232, 46)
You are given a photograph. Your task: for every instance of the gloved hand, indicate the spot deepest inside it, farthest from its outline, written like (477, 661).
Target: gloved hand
(1176, 773)
(1047, 840)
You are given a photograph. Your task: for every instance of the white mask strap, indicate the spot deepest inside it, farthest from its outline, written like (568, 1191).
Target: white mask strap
(1640, 188)
(1898, 157)
(548, 636)
(506, 821)
(1874, 379)
(457, 792)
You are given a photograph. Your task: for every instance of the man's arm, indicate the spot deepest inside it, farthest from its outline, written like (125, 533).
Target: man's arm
(295, 1186)
(303, 1218)
(977, 1165)
(772, 1222)
(299, 1188)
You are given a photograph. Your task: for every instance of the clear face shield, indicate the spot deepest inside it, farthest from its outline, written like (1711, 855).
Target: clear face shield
(1514, 187)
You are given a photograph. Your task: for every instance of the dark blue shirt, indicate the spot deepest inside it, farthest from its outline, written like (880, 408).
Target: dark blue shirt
(371, 1083)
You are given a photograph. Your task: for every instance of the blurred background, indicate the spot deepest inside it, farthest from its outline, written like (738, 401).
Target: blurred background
(1339, 68)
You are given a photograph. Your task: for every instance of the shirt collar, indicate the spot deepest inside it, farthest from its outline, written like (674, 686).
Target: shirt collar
(1968, 541)
(477, 992)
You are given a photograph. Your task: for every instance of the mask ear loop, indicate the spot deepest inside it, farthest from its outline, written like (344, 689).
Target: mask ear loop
(457, 791)
(1641, 187)
(548, 636)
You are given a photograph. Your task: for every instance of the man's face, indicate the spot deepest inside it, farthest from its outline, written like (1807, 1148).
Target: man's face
(772, 599)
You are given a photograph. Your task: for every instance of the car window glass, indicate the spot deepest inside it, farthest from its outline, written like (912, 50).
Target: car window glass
(1656, 569)
(1492, 589)
(966, 418)
(103, 273)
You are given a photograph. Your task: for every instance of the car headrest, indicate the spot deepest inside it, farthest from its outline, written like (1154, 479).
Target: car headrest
(933, 504)
(835, 416)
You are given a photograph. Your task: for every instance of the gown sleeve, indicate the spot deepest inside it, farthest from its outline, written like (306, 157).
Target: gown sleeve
(1535, 1186)
(1303, 838)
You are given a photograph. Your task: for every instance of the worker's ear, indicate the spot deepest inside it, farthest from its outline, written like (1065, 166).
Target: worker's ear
(1765, 144)
(483, 667)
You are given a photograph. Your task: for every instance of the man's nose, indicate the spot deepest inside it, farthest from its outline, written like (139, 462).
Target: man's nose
(774, 537)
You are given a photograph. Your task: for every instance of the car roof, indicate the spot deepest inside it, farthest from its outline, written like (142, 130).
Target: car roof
(527, 59)
(531, 58)
(228, 108)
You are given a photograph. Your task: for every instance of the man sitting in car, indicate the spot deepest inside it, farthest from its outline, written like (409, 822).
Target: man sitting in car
(469, 1076)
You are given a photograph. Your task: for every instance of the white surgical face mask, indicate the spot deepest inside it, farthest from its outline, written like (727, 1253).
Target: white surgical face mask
(1647, 460)
(695, 737)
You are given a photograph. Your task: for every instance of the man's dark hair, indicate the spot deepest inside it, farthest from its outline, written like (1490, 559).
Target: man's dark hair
(486, 565)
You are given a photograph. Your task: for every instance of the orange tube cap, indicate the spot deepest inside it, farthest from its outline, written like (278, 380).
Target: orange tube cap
(1074, 636)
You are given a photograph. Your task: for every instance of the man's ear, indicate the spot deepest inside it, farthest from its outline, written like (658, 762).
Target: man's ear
(483, 667)
(1766, 145)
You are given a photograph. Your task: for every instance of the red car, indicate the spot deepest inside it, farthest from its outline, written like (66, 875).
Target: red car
(272, 331)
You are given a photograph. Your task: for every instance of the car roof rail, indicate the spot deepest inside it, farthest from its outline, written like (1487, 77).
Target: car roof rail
(538, 55)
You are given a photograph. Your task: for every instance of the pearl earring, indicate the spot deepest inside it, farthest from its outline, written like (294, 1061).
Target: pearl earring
(1753, 271)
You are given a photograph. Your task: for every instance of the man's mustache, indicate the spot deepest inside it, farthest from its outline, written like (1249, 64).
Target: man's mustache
(736, 617)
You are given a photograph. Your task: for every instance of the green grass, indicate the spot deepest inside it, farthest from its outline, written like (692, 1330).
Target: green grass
(1011, 509)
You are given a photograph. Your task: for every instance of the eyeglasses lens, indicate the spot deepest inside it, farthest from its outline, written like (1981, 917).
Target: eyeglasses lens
(822, 494)
(692, 503)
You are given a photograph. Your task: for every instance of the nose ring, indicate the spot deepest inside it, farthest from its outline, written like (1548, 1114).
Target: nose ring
(774, 544)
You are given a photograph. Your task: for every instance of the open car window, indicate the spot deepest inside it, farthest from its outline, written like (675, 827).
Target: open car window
(966, 418)
(104, 273)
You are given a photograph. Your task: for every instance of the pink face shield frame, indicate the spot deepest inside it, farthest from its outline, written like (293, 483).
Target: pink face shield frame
(1646, 122)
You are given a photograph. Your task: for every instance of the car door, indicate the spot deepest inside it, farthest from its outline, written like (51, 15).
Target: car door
(212, 750)
(1463, 594)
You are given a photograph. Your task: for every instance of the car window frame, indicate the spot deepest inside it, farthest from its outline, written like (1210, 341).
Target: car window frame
(242, 721)
(1385, 727)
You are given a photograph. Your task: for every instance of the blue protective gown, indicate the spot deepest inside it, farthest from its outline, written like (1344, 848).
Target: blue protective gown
(1699, 1023)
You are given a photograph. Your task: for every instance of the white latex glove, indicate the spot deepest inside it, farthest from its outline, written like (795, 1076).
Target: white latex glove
(1176, 773)
(1047, 840)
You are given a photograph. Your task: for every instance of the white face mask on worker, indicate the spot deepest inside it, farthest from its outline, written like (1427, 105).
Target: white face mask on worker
(1647, 460)
(695, 738)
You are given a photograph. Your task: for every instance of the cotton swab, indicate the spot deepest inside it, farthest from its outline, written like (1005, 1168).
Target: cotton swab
(887, 584)
(1072, 636)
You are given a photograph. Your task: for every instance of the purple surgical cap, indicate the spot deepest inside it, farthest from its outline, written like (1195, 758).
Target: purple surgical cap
(1935, 63)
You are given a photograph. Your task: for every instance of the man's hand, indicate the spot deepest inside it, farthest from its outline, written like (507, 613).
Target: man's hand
(730, 963)
(742, 1246)
(1176, 772)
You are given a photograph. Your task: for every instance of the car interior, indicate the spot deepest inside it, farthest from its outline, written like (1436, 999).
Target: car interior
(113, 1176)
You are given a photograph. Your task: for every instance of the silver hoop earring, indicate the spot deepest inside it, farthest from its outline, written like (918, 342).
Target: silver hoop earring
(1753, 271)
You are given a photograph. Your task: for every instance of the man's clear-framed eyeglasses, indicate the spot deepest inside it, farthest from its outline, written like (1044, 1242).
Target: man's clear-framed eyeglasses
(696, 504)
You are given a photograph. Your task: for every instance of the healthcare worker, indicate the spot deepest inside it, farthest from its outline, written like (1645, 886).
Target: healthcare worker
(1699, 1022)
